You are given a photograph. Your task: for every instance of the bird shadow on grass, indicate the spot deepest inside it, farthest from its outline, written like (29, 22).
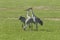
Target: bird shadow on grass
(47, 30)
(43, 30)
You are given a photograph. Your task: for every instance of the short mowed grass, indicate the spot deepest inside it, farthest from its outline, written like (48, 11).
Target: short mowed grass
(10, 25)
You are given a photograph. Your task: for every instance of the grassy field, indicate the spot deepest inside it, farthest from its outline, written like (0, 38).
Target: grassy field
(10, 26)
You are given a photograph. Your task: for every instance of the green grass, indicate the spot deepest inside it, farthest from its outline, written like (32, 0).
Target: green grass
(10, 26)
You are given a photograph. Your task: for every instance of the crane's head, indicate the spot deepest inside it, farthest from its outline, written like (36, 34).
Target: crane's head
(28, 9)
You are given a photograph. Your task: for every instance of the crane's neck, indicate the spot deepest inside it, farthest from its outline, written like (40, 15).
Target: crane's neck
(33, 14)
(28, 16)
